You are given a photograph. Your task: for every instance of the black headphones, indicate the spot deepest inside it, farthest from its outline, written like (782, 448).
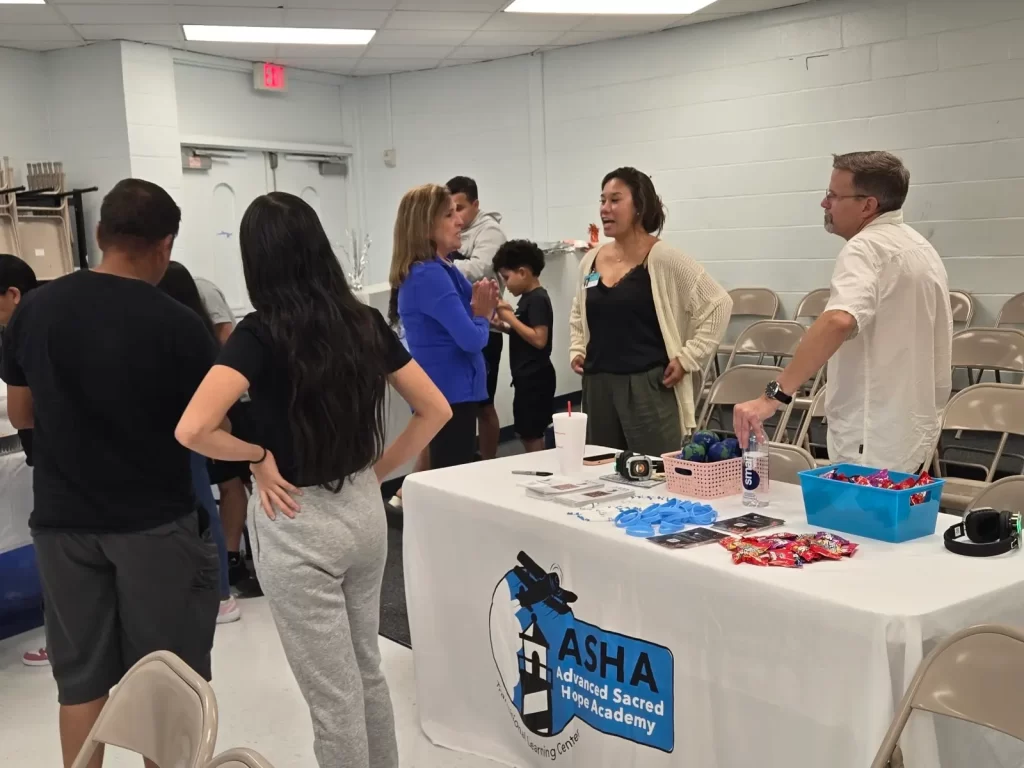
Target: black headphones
(993, 533)
(633, 466)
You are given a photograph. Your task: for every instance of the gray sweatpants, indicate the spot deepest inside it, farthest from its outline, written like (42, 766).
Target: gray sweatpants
(322, 572)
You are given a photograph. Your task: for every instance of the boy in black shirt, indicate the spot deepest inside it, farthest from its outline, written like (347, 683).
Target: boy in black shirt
(102, 364)
(530, 325)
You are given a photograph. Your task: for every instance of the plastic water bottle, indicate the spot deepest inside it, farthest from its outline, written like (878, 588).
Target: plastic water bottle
(753, 496)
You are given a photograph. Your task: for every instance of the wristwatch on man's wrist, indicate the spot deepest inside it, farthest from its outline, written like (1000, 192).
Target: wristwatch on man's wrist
(774, 392)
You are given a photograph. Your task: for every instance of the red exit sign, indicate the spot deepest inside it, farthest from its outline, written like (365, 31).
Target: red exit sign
(269, 77)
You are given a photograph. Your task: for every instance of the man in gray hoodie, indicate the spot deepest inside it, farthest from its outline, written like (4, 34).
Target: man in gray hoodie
(481, 239)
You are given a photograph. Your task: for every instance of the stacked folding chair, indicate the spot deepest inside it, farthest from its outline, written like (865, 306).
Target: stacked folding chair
(44, 222)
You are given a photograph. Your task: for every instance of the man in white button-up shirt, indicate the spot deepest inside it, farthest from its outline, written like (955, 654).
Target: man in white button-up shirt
(886, 332)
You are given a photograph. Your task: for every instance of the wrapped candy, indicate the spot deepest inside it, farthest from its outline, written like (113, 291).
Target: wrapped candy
(789, 550)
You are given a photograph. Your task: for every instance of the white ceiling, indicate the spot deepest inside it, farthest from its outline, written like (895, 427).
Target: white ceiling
(414, 34)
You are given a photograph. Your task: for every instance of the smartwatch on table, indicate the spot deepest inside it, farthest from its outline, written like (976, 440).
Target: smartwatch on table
(774, 392)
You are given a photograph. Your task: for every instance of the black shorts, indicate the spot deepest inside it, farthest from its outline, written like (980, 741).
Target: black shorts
(111, 598)
(533, 405)
(492, 359)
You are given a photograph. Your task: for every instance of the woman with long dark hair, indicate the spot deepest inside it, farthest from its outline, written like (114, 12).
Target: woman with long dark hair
(179, 285)
(317, 363)
(446, 320)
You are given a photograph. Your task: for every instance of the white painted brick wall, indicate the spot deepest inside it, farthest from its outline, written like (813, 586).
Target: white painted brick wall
(151, 115)
(24, 118)
(87, 122)
(736, 125)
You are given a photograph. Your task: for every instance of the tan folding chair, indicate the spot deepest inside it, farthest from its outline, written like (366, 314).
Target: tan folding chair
(993, 408)
(1012, 312)
(777, 339)
(989, 349)
(747, 303)
(962, 304)
(241, 757)
(816, 410)
(813, 305)
(737, 385)
(976, 675)
(788, 461)
(1007, 493)
(163, 710)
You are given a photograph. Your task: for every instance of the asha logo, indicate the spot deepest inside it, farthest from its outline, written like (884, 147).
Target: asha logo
(555, 667)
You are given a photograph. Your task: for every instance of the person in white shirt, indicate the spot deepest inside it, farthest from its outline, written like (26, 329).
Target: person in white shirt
(886, 332)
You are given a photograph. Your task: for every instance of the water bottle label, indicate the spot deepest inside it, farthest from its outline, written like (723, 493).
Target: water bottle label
(751, 479)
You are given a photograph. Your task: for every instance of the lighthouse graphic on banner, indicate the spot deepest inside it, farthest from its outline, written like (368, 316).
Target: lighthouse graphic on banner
(535, 679)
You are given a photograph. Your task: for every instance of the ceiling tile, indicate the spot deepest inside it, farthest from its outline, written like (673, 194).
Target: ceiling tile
(340, 5)
(50, 32)
(452, 5)
(437, 20)
(337, 66)
(61, 3)
(219, 14)
(38, 45)
(459, 62)
(490, 52)
(523, 37)
(118, 14)
(420, 36)
(147, 33)
(305, 17)
(386, 66)
(625, 25)
(244, 51)
(408, 51)
(321, 51)
(575, 37)
(501, 22)
(29, 14)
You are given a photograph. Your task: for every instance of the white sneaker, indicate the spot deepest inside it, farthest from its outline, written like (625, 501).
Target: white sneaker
(396, 502)
(229, 611)
(38, 658)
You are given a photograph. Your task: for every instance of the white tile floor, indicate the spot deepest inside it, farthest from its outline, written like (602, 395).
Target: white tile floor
(259, 702)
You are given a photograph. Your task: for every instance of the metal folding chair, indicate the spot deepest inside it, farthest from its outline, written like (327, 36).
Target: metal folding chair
(163, 710)
(976, 675)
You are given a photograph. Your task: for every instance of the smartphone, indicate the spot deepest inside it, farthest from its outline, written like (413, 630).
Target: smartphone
(599, 458)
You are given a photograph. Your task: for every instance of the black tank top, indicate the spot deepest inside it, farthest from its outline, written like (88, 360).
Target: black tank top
(624, 333)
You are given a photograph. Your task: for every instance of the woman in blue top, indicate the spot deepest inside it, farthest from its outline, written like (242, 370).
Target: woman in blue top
(446, 320)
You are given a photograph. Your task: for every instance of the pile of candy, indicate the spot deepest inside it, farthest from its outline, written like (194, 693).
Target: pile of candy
(789, 550)
(705, 446)
(670, 516)
(881, 479)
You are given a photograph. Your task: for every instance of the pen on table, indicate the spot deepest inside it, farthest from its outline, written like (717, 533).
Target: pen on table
(531, 473)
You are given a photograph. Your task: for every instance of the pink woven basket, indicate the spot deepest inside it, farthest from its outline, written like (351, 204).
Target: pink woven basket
(714, 480)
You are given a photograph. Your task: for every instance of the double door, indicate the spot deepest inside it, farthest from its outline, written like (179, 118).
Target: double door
(214, 200)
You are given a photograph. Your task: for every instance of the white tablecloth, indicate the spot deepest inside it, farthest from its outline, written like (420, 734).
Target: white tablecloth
(15, 501)
(723, 665)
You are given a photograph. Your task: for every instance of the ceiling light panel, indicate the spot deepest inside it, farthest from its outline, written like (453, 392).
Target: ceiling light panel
(610, 7)
(22, 2)
(284, 35)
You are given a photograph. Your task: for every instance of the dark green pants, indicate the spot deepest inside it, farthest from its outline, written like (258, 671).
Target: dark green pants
(632, 412)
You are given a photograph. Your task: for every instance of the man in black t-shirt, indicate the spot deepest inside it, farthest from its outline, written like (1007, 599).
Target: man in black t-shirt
(530, 326)
(101, 364)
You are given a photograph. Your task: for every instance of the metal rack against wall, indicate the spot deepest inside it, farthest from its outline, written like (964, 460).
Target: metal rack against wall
(41, 221)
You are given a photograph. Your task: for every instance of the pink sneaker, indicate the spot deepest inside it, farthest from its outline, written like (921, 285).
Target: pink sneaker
(229, 611)
(38, 658)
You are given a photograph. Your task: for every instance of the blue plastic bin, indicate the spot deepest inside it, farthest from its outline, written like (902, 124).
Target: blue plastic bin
(875, 513)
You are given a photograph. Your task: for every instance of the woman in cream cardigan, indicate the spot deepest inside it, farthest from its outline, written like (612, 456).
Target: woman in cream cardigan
(644, 318)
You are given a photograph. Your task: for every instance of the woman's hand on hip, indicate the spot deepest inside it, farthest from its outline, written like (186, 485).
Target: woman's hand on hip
(577, 364)
(673, 374)
(275, 492)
